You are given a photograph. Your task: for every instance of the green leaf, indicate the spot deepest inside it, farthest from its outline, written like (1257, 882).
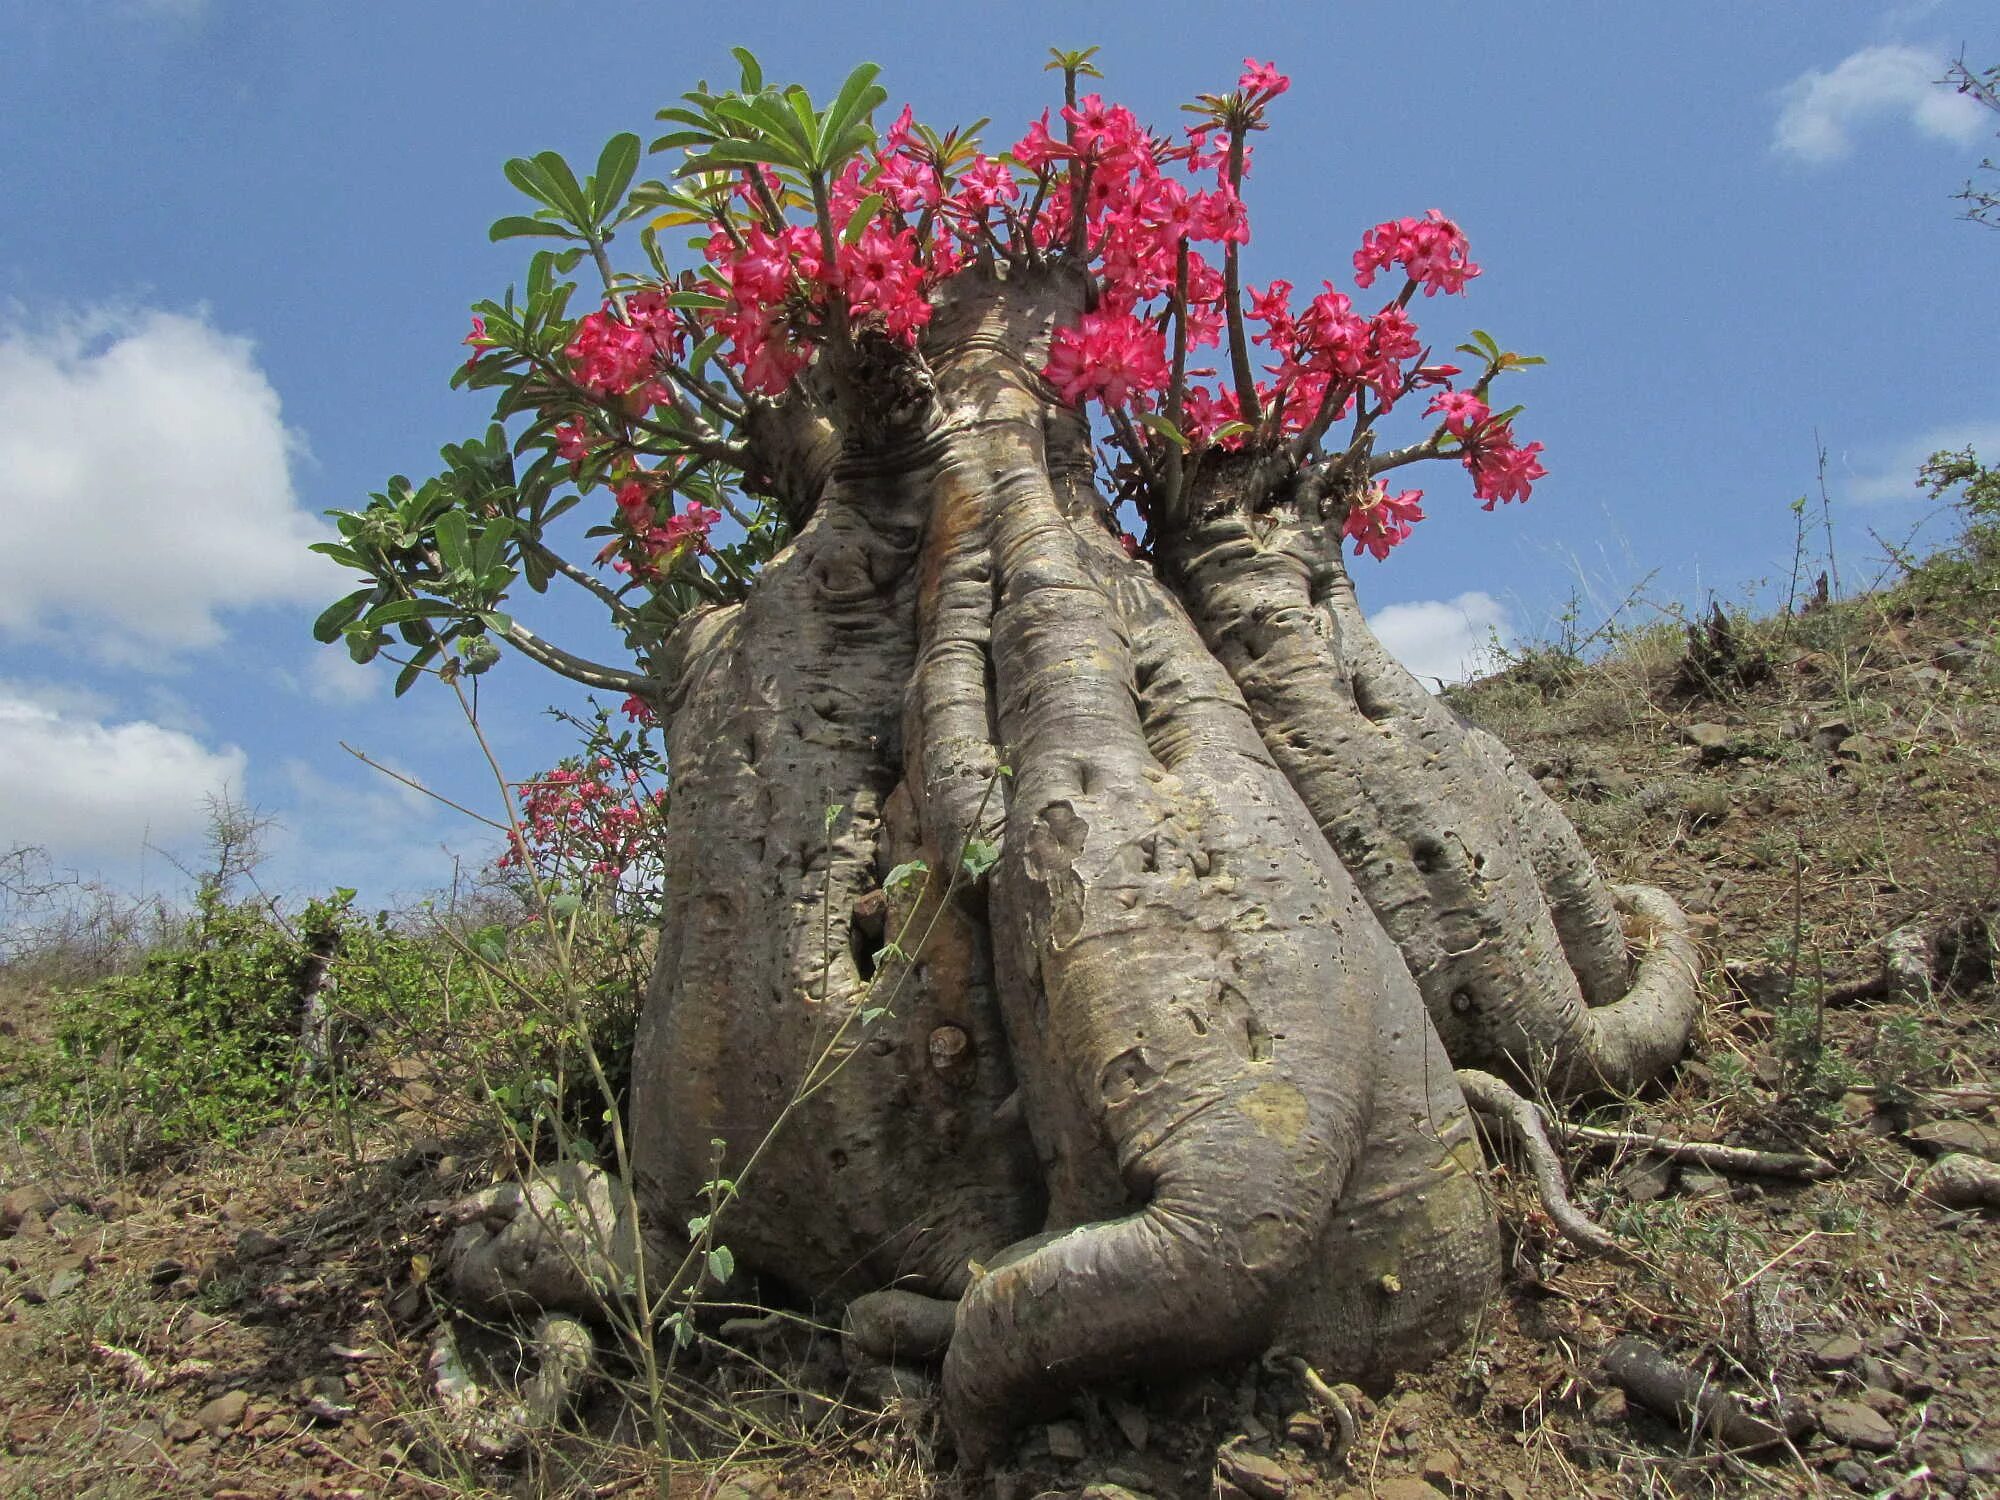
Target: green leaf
(406, 678)
(452, 539)
(569, 192)
(753, 71)
(336, 617)
(615, 166)
(864, 215)
(858, 97)
(514, 226)
(1164, 428)
(909, 872)
(403, 611)
(721, 1264)
(527, 176)
(743, 154)
(980, 856)
(833, 812)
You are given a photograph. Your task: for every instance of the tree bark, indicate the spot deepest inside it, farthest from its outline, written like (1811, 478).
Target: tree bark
(1172, 1082)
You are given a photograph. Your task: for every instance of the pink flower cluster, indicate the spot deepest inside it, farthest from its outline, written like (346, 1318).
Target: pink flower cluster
(1382, 520)
(1431, 250)
(577, 820)
(614, 351)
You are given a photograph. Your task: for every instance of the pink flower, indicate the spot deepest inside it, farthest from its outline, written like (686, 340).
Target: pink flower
(1432, 252)
(478, 340)
(985, 183)
(1501, 471)
(879, 274)
(1038, 148)
(1262, 78)
(639, 710)
(1462, 411)
(572, 440)
(1384, 521)
(1109, 356)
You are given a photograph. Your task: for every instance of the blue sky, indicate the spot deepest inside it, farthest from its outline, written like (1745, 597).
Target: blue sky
(239, 239)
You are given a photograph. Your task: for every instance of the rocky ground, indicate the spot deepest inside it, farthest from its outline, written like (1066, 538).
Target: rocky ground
(262, 1322)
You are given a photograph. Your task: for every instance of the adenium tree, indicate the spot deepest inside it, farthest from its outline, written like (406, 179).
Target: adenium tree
(967, 514)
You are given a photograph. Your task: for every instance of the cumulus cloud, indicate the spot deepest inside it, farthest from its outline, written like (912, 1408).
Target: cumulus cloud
(88, 790)
(1446, 640)
(333, 677)
(145, 484)
(1889, 473)
(1817, 111)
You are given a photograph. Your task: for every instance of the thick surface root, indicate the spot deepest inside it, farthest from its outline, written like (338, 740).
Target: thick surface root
(1518, 945)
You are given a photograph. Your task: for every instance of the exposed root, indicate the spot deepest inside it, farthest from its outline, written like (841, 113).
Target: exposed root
(1337, 1402)
(492, 1424)
(1705, 1153)
(1510, 1115)
(1666, 1386)
(900, 1326)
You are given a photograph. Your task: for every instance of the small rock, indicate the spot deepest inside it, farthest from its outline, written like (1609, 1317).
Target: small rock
(1611, 1408)
(1406, 1488)
(1305, 1429)
(139, 1441)
(1851, 1474)
(1857, 1426)
(1107, 1491)
(66, 1274)
(1711, 740)
(1887, 1402)
(183, 1429)
(753, 1484)
(223, 1414)
(1704, 1184)
(1257, 1476)
(1124, 1477)
(1644, 1179)
(1440, 1467)
(258, 1244)
(1132, 1422)
(22, 1203)
(1940, 1137)
(1836, 1353)
(1066, 1442)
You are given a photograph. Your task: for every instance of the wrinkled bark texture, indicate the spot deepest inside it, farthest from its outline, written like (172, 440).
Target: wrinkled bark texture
(1172, 1083)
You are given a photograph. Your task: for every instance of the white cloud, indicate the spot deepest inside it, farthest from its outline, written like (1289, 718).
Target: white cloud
(1889, 473)
(1444, 639)
(334, 677)
(1819, 109)
(88, 790)
(145, 485)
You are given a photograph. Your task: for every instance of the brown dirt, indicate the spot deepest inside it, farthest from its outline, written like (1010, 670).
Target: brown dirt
(1852, 790)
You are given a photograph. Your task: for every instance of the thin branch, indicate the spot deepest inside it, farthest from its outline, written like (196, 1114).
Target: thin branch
(578, 668)
(1247, 406)
(620, 610)
(418, 786)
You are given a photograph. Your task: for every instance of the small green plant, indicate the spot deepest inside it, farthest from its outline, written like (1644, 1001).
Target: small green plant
(200, 1043)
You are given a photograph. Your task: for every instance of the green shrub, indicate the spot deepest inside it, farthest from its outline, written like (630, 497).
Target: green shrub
(201, 1042)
